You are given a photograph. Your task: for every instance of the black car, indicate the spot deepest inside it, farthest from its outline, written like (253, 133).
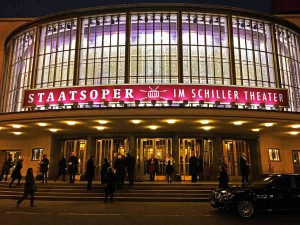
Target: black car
(268, 192)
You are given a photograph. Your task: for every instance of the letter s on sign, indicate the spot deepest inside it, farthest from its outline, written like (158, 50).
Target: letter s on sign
(31, 98)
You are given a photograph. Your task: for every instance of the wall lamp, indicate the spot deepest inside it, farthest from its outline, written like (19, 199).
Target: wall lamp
(201, 102)
(262, 105)
(33, 106)
(61, 105)
(106, 103)
(217, 103)
(248, 105)
(185, 102)
(75, 105)
(233, 105)
(137, 102)
(122, 103)
(170, 102)
(276, 107)
(153, 102)
(47, 106)
(91, 104)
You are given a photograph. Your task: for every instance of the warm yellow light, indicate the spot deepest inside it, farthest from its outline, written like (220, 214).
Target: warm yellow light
(17, 133)
(295, 126)
(207, 128)
(42, 124)
(71, 123)
(294, 132)
(103, 121)
(153, 127)
(100, 128)
(269, 124)
(16, 126)
(237, 123)
(136, 121)
(171, 121)
(53, 130)
(255, 130)
(204, 121)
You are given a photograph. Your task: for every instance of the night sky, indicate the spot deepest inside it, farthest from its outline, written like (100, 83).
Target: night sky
(37, 8)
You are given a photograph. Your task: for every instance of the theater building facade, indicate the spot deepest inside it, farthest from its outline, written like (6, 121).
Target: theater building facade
(156, 79)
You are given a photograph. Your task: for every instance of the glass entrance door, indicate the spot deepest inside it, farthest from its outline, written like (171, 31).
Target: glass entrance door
(233, 149)
(110, 149)
(202, 149)
(160, 147)
(296, 161)
(79, 148)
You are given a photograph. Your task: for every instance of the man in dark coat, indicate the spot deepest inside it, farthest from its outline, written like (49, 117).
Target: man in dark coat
(62, 167)
(44, 165)
(120, 166)
(6, 167)
(193, 168)
(104, 169)
(244, 168)
(130, 164)
(72, 166)
(90, 172)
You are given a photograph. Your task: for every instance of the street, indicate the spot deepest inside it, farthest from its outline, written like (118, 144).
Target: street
(154, 213)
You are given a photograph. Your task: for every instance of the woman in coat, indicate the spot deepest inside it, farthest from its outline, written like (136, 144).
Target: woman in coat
(16, 174)
(90, 172)
(104, 169)
(29, 188)
(109, 184)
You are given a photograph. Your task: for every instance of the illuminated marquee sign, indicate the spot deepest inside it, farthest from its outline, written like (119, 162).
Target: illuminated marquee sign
(161, 93)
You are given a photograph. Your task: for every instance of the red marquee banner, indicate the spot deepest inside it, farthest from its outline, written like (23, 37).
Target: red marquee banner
(160, 92)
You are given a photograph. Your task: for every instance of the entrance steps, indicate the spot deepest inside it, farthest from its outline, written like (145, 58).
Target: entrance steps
(139, 192)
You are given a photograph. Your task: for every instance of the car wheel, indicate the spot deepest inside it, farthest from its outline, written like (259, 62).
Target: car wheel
(245, 208)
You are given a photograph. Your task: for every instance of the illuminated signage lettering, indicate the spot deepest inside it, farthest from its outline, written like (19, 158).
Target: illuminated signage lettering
(160, 93)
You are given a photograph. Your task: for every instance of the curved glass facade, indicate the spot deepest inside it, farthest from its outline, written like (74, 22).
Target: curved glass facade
(157, 46)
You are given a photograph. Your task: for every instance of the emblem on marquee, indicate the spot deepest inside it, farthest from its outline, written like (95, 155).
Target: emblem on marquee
(153, 93)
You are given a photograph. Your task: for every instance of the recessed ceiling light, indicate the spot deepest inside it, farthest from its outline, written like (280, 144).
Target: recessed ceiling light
(136, 121)
(268, 124)
(237, 123)
(294, 132)
(204, 121)
(171, 121)
(153, 127)
(17, 133)
(42, 124)
(206, 128)
(53, 130)
(255, 129)
(16, 126)
(103, 121)
(295, 126)
(100, 128)
(71, 123)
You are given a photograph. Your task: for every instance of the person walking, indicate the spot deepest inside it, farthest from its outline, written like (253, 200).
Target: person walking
(120, 166)
(130, 164)
(72, 167)
(62, 168)
(223, 177)
(6, 167)
(169, 167)
(44, 166)
(193, 168)
(90, 172)
(109, 184)
(244, 168)
(104, 169)
(16, 174)
(153, 167)
(200, 167)
(29, 189)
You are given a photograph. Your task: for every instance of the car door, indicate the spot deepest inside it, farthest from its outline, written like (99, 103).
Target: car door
(280, 194)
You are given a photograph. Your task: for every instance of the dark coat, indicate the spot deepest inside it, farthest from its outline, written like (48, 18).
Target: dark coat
(62, 165)
(16, 174)
(120, 166)
(243, 166)
(130, 163)
(73, 164)
(30, 186)
(90, 168)
(44, 165)
(7, 164)
(193, 165)
(109, 181)
(104, 170)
